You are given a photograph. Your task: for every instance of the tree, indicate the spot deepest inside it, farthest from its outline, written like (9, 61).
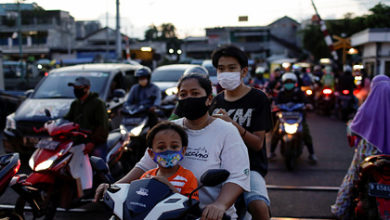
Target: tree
(151, 33)
(313, 38)
(168, 31)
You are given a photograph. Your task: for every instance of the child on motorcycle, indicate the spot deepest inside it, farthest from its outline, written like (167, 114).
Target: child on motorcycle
(290, 93)
(167, 144)
(371, 126)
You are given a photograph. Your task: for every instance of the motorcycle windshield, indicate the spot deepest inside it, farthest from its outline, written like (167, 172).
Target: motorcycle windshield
(143, 195)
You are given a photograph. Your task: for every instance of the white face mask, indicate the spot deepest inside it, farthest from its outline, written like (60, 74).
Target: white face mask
(229, 80)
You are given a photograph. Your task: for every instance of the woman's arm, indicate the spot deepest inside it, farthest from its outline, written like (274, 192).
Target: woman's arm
(226, 198)
(253, 140)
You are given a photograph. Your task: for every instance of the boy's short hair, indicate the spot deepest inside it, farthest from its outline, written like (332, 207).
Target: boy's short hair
(166, 125)
(230, 51)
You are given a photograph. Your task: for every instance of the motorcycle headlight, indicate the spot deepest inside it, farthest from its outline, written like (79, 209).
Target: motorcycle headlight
(11, 123)
(309, 92)
(290, 128)
(45, 164)
(136, 131)
(171, 91)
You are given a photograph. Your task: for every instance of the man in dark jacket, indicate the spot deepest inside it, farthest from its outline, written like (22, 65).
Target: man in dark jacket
(90, 113)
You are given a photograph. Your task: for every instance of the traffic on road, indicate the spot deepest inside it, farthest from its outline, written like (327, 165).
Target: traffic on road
(244, 123)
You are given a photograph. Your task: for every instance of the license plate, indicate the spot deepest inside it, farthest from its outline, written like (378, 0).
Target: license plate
(132, 121)
(379, 190)
(47, 144)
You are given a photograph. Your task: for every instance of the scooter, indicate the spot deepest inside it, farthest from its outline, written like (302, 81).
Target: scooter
(151, 199)
(290, 130)
(345, 104)
(136, 121)
(371, 193)
(309, 93)
(326, 101)
(9, 166)
(62, 175)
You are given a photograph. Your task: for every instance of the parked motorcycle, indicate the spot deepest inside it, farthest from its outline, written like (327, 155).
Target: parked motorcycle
(62, 175)
(345, 104)
(326, 101)
(151, 199)
(290, 130)
(371, 193)
(9, 166)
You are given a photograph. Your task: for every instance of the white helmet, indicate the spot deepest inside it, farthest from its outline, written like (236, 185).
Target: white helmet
(289, 76)
(260, 70)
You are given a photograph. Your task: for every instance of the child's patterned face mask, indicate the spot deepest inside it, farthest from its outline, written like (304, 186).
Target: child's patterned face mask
(168, 158)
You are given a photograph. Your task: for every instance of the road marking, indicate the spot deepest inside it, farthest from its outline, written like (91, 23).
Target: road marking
(303, 188)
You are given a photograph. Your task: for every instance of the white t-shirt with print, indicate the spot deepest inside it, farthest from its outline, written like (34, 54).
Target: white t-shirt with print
(218, 145)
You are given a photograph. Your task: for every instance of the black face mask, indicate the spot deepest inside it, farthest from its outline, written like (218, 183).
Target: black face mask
(79, 92)
(192, 108)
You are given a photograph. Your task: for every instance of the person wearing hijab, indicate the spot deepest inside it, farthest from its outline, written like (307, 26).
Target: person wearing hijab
(371, 125)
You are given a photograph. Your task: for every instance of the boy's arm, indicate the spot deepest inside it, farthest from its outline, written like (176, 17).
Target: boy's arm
(166, 182)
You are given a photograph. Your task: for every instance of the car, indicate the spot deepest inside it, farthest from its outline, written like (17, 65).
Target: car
(110, 81)
(166, 77)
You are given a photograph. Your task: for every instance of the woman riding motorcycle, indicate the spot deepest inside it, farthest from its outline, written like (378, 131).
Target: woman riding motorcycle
(371, 126)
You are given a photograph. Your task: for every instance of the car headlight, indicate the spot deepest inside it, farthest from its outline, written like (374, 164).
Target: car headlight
(171, 91)
(290, 128)
(11, 123)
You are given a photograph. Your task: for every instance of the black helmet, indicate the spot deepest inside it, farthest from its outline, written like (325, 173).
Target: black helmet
(143, 72)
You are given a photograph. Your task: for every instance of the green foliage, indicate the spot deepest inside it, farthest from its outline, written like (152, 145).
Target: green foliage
(164, 32)
(313, 39)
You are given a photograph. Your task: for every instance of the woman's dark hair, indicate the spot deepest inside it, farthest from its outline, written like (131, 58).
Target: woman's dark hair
(230, 51)
(166, 125)
(203, 81)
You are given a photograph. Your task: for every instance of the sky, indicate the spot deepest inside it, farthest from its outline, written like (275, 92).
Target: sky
(192, 17)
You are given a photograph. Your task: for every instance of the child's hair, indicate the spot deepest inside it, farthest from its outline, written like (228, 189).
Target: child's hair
(230, 51)
(203, 81)
(166, 125)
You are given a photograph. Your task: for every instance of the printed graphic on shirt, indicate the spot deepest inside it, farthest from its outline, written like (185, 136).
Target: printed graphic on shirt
(239, 115)
(199, 153)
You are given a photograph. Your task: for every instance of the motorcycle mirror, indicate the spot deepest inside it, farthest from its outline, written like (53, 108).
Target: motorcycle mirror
(214, 177)
(47, 113)
(211, 177)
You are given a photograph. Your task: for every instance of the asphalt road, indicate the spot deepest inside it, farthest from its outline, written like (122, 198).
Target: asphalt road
(306, 192)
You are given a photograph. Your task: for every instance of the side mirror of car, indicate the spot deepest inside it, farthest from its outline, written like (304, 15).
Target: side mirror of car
(119, 93)
(29, 92)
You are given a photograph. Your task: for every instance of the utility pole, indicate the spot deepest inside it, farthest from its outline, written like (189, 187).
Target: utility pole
(118, 34)
(19, 23)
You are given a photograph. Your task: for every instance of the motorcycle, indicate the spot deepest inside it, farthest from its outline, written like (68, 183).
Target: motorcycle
(326, 101)
(371, 192)
(309, 92)
(9, 166)
(136, 121)
(290, 130)
(150, 199)
(345, 104)
(62, 175)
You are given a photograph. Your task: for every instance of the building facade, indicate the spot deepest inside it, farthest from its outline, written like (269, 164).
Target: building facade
(43, 33)
(374, 47)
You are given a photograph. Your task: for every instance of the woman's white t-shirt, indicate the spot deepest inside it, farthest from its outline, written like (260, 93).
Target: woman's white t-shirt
(218, 145)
